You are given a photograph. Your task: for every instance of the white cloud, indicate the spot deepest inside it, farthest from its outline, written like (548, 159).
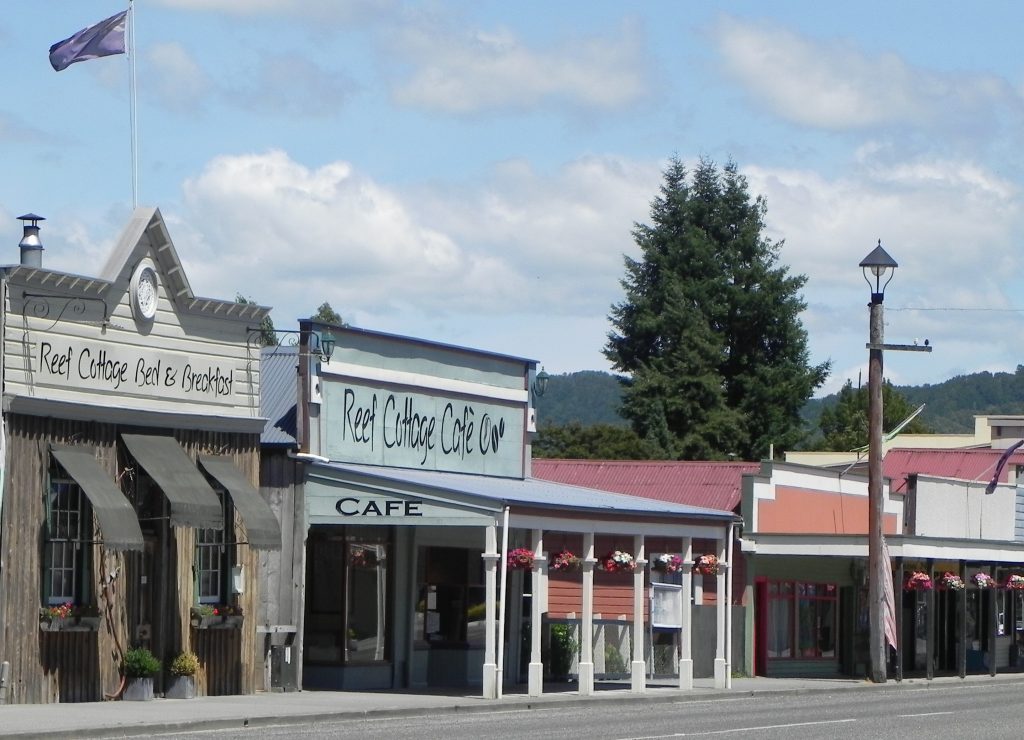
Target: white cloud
(468, 72)
(545, 247)
(832, 84)
(290, 85)
(178, 81)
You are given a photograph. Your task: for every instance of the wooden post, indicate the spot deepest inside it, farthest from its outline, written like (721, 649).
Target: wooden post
(491, 557)
(930, 633)
(961, 653)
(897, 590)
(721, 667)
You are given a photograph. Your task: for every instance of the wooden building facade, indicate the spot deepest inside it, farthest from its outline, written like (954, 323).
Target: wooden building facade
(128, 507)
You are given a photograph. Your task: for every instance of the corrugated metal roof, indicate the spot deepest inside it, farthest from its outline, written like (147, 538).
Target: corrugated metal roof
(535, 492)
(278, 395)
(977, 464)
(710, 485)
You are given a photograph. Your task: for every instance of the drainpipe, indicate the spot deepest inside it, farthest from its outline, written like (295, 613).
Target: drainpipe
(504, 601)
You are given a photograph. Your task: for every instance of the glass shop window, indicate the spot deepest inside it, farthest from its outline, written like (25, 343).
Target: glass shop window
(451, 610)
(348, 605)
(802, 619)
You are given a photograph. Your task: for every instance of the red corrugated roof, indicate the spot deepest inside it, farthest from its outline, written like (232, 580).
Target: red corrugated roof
(962, 464)
(713, 485)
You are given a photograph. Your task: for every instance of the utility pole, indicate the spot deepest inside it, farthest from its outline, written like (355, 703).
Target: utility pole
(878, 266)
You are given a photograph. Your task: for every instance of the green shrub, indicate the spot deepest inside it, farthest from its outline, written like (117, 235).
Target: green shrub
(563, 650)
(186, 664)
(139, 663)
(613, 660)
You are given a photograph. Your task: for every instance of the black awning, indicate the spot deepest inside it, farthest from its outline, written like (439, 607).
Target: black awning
(193, 502)
(119, 526)
(261, 526)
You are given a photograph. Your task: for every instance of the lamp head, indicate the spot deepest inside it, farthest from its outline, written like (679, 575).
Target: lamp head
(327, 342)
(878, 267)
(540, 383)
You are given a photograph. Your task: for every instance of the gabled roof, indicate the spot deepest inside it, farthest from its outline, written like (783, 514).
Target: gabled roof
(279, 395)
(710, 485)
(130, 248)
(977, 464)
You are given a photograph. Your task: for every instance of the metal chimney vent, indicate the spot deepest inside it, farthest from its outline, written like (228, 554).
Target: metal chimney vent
(31, 246)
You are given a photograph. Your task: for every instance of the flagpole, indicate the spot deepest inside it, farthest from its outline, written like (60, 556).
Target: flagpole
(133, 104)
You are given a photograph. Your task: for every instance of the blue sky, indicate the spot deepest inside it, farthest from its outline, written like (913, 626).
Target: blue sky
(469, 172)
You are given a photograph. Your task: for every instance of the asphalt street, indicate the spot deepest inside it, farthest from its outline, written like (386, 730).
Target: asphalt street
(979, 710)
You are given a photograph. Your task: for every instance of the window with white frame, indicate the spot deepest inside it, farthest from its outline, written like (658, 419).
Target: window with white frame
(213, 558)
(66, 549)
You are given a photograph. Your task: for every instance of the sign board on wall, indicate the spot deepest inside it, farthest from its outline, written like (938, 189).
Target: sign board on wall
(377, 426)
(334, 504)
(134, 371)
(666, 605)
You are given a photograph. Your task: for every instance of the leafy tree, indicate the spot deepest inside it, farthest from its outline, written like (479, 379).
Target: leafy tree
(327, 315)
(709, 332)
(593, 442)
(844, 426)
(268, 335)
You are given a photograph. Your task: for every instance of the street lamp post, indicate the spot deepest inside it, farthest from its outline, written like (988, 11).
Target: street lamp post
(878, 270)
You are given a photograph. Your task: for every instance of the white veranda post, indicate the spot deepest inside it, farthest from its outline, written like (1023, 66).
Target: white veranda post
(638, 671)
(721, 666)
(686, 638)
(586, 670)
(490, 557)
(535, 683)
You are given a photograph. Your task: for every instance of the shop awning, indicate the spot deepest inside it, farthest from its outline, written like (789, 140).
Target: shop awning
(261, 526)
(193, 502)
(119, 525)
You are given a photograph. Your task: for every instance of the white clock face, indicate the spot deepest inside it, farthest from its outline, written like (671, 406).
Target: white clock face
(144, 287)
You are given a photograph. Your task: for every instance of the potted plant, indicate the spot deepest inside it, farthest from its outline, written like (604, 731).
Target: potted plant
(219, 616)
(53, 617)
(183, 676)
(139, 666)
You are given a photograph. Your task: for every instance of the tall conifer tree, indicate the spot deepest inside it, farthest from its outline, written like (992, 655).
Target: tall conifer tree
(709, 332)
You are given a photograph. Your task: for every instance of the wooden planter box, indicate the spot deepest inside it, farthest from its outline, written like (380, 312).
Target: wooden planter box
(230, 622)
(69, 624)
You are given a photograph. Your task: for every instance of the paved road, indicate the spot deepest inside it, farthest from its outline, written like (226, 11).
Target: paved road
(969, 710)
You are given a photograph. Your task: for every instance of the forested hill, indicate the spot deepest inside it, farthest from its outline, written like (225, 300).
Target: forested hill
(593, 397)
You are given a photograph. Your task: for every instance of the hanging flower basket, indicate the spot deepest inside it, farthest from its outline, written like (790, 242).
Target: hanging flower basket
(618, 561)
(668, 563)
(918, 581)
(1015, 583)
(983, 580)
(706, 565)
(951, 582)
(565, 562)
(520, 559)
(363, 557)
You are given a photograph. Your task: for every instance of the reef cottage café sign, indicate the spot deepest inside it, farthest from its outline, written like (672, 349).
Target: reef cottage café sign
(413, 430)
(132, 371)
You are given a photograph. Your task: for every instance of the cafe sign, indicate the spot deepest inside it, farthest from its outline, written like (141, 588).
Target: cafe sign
(407, 429)
(334, 504)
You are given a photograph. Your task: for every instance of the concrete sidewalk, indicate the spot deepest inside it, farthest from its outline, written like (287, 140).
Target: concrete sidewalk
(125, 719)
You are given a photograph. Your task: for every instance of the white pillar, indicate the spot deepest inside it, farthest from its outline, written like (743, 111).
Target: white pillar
(490, 557)
(721, 666)
(728, 608)
(638, 671)
(686, 638)
(540, 565)
(586, 671)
